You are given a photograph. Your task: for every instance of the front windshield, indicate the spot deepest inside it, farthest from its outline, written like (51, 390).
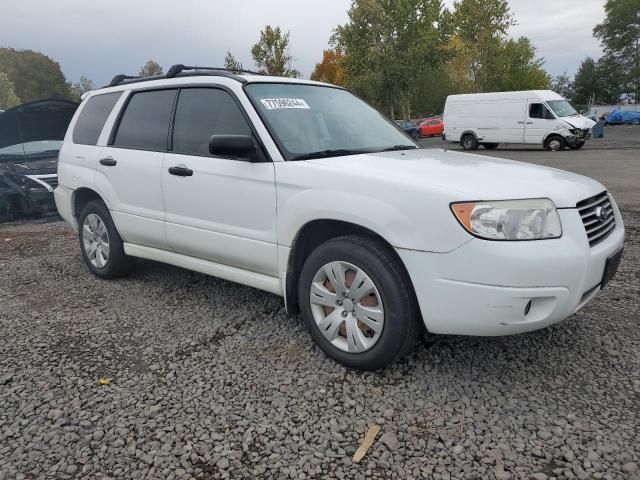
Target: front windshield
(311, 121)
(561, 108)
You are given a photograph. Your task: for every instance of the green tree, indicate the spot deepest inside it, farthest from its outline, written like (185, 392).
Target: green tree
(33, 74)
(387, 45)
(482, 26)
(619, 34)
(8, 97)
(150, 69)
(513, 66)
(271, 53)
(81, 87)
(231, 63)
(597, 81)
(563, 85)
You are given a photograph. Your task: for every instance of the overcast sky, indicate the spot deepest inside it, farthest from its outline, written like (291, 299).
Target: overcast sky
(101, 38)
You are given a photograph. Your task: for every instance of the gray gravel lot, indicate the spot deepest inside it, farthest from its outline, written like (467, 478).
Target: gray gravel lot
(209, 379)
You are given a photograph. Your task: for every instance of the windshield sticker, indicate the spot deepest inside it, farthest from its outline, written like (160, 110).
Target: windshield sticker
(284, 103)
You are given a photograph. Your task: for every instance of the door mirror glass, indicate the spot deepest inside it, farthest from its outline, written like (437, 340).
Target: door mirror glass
(239, 146)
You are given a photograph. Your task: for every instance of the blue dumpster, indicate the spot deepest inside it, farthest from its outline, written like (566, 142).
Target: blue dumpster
(598, 130)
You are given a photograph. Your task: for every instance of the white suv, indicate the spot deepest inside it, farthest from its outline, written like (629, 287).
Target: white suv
(301, 189)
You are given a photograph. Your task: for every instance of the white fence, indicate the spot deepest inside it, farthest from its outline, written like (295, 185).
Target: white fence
(598, 110)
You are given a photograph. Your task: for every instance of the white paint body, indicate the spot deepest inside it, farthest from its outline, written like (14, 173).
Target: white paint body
(239, 220)
(503, 117)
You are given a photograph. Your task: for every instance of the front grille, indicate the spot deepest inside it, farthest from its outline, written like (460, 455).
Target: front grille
(597, 216)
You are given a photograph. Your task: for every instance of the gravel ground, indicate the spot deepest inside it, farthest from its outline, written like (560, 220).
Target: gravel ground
(208, 379)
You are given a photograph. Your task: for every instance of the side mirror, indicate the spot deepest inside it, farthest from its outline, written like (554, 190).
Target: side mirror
(239, 146)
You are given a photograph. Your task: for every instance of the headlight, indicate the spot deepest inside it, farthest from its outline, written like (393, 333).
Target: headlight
(534, 219)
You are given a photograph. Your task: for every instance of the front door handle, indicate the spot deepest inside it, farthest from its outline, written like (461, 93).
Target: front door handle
(520, 123)
(108, 162)
(529, 123)
(180, 171)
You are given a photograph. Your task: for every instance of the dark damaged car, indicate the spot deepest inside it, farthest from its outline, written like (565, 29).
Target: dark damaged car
(30, 138)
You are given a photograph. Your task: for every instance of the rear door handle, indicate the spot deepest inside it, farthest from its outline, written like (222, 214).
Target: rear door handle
(108, 162)
(181, 171)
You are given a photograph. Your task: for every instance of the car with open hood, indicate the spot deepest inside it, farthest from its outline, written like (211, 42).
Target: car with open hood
(30, 138)
(302, 189)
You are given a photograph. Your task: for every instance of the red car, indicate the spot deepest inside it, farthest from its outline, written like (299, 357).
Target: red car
(430, 127)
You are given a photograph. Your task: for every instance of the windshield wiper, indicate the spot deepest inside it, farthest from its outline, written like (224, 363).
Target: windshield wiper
(399, 147)
(339, 152)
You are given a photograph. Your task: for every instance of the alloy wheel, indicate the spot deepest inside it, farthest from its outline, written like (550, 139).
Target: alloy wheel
(95, 240)
(347, 307)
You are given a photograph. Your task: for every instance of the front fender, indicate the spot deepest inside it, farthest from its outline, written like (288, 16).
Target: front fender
(323, 204)
(410, 214)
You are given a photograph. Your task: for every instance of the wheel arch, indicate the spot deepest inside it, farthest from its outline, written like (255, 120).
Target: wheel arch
(311, 235)
(82, 196)
(469, 132)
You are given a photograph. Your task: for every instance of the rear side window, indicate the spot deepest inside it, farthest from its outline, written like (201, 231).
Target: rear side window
(203, 112)
(93, 117)
(145, 122)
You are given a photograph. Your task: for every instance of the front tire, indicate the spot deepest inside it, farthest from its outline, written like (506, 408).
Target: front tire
(469, 142)
(357, 303)
(100, 243)
(555, 143)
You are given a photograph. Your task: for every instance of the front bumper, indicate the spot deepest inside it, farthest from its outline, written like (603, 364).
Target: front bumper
(502, 288)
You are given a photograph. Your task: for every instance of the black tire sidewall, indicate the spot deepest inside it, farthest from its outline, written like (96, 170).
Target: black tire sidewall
(396, 299)
(547, 143)
(474, 142)
(117, 258)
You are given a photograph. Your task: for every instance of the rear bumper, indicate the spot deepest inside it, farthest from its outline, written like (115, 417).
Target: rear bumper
(502, 288)
(64, 203)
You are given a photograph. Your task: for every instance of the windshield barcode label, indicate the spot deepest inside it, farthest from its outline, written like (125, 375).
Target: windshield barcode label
(284, 103)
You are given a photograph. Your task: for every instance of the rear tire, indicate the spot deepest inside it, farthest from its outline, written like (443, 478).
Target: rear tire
(490, 146)
(555, 143)
(100, 243)
(333, 315)
(469, 142)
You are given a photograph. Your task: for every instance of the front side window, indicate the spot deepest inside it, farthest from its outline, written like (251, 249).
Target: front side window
(93, 117)
(202, 112)
(539, 110)
(145, 122)
(562, 108)
(310, 121)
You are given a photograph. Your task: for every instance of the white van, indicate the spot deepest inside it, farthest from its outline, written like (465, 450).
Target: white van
(539, 117)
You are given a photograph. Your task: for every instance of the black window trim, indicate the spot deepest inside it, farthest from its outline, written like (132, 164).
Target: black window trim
(169, 144)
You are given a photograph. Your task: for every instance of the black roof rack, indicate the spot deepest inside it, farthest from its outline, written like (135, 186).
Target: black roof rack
(183, 70)
(179, 68)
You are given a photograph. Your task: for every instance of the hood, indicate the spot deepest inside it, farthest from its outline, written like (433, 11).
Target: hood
(579, 121)
(467, 177)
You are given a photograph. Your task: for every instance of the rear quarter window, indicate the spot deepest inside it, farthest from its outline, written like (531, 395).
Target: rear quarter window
(93, 117)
